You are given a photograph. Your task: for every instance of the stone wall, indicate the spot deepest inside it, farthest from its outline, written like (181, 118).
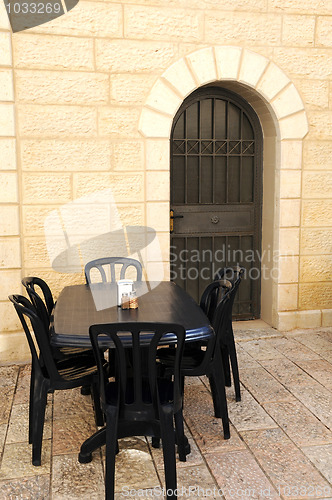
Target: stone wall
(86, 83)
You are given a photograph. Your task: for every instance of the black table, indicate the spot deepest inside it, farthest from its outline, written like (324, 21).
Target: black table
(80, 306)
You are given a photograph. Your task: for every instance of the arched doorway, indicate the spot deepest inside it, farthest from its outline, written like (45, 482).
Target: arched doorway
(216, 193)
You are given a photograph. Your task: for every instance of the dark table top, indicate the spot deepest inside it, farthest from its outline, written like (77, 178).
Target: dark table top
(80, 306)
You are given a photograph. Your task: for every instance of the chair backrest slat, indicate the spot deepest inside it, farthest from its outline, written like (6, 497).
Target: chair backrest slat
(111, 262)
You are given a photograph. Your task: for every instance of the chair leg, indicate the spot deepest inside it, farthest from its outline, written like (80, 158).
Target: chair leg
(31, 410)
(217, 384)
(168, 442)
(235, 370)
(95, 394)
(111, 450)
(39, 406)
(225, 361)
(181, 439)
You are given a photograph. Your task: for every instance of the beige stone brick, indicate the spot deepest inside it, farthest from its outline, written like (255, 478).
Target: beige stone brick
(290, 183)
(163, 24)
(287, 297)
(252, 67)
(87, 19)
(53, 52)
(317, 184)
(35, 252)
(128, 155)
(315, 268)
(291, 155)
(6, 85)
(315, 296)
(323, 31)
(327, 317)
(5, 49)
(10, 282)
(132, 215)
(125, 187)
(203, 65)
(10, 253)
(9, 220)
(157, 154)
(163, 98)
(317, 155)
(272, 82)
(298, 6)
(154, 125)
(130, 89)
(33, 218)
(9, 189)
(309, 319)
(157, 216)
(288, 269)
(58, 87)
(53, 121)
(7, 120)
(180, 77)
(287, 321)
(294, 126)
(300, 62)
(46, 188)
(66, 155)
(7, 154)
(128, 56)
(321, 125)
(9, 321)
(242, 28)
(287, 102)
(298, 30)
(157, 186)
(289, 241)
(316, 241)
(118, 121)
(245, 5)
(4, 21)
(290, 212)
(317, 213)
(315, 93)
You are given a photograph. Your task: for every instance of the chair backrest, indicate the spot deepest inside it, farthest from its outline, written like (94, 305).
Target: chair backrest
(42, 360)
(110, 262)
(212, 295)
(44, 306)
(131, 392)
(234, 275)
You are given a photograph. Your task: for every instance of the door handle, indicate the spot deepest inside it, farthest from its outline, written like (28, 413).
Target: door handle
(171, 219)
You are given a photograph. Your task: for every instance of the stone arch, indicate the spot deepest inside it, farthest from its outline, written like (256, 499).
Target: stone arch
(281, 111)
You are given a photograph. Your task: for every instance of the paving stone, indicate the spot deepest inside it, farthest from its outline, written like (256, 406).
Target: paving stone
(239, 476)
(299, 423)
(248, 414)
(71, 403)
(32, 488)
(23, 385)
(6, 400)
(261, 349)
(195, 482)
(193, 459)
(294, 350)
(286, 372)
(3, 431)
(317, 399)
(321, 457)
(290, 471)
(317, 344)
(257, 333)
(319, 370)
(18, 430)
(8, 375)
(244, 359)
(70, 433)
(16, 461)
(134, 469)
(74, 481)
(263, 386)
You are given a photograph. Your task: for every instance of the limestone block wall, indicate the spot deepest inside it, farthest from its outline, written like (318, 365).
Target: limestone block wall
(76, 93)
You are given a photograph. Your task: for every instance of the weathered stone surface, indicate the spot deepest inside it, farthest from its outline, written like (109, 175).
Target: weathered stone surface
(315, 268)
(5, 49)
(9, 222)
(124, 187)
(290, 211)
(46, 188)
(321, 125)
(10, 253)
(298, 30)
(163, 24)
(315, 295)
(129, 88)
(7, 120)
(8, 154)
(303, 63)
(290, 183)
(316, 213)
(9, 188)
(315, 93)
(316, 241)
(323, 31)
(128, 156)
(6, 85)
(287, 297)
(118, 122)
(317, 155)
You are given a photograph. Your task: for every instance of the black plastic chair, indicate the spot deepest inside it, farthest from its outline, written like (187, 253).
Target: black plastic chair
(111, 262)
(204, 358)
(44, 307)
(139, 402)
(49, 374)
(227, 341)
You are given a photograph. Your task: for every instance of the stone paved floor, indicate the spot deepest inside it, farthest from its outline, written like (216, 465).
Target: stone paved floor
(280, 446)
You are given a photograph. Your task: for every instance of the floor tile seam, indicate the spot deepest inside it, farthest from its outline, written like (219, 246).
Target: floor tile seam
(8, 419)
(311, 376)
(311, 349)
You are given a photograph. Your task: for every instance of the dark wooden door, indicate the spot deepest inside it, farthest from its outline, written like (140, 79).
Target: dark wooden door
(216, 194)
